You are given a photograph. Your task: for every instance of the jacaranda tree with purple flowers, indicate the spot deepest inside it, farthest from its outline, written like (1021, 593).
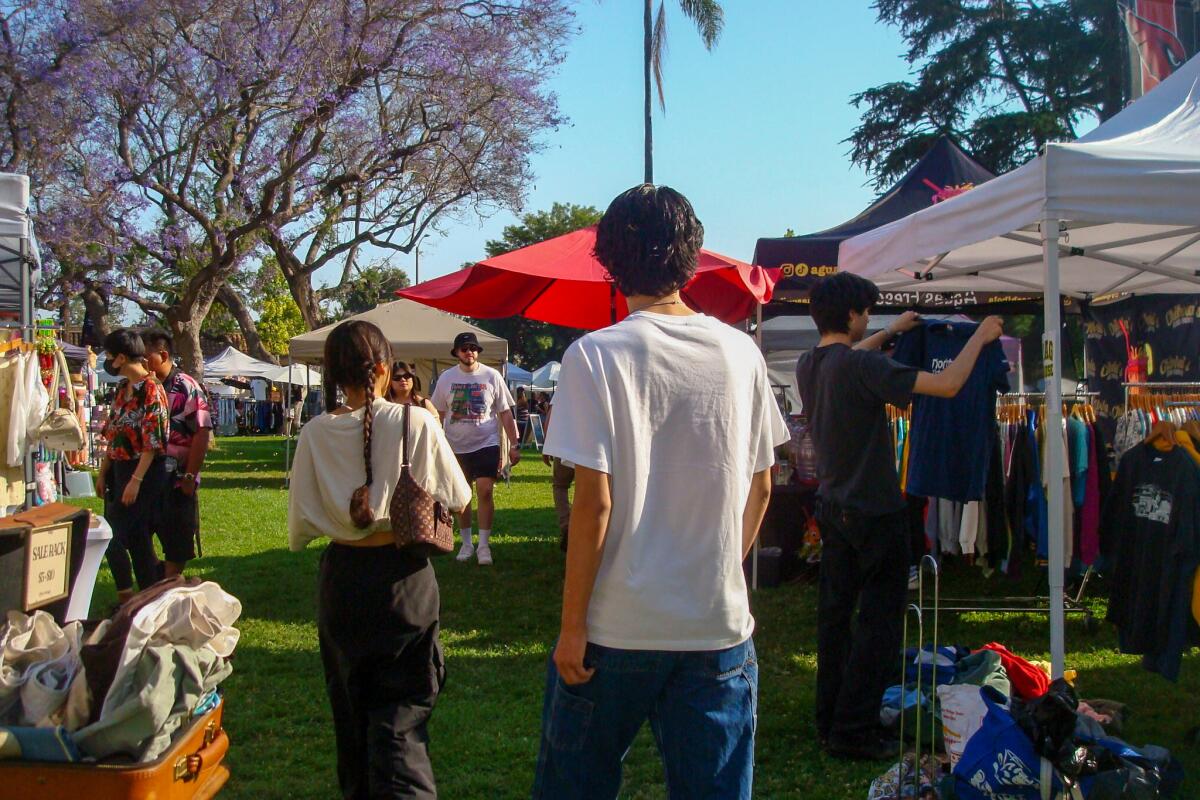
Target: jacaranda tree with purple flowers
(192, 138)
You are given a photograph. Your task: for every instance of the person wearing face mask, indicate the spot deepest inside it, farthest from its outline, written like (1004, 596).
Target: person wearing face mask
(133, 474)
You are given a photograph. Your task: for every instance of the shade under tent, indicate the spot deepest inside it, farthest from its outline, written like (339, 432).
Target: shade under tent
(1111, 212)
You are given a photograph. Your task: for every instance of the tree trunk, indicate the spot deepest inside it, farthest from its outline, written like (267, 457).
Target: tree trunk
(96, 310)
(184, 320)
(307, 301)
(185, 334)
(647, 47)
(229, 298)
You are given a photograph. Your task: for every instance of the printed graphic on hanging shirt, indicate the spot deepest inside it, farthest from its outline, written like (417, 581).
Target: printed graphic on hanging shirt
(470, 404)
(1152, 502)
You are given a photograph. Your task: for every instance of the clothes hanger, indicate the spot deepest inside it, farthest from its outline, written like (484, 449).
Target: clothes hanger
(1162, 436)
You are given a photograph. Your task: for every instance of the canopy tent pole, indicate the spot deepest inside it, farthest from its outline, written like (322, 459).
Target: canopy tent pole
(1055, 457)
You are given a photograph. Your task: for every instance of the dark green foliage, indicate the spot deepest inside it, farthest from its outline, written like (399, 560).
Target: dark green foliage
(1001, 76)
(369, 287)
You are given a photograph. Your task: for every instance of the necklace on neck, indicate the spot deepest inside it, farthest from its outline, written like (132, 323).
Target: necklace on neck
(662, 303)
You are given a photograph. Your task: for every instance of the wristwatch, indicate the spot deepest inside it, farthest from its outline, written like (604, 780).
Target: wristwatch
(189, 476)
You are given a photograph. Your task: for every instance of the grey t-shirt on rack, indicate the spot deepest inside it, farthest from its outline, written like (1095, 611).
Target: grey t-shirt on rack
(845, 392)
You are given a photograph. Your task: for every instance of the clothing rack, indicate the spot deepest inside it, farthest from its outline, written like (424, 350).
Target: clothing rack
(1032, 604)
(1155, 387)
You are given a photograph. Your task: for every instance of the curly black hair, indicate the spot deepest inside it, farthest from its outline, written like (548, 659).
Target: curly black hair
(832, 298)
(649, 240)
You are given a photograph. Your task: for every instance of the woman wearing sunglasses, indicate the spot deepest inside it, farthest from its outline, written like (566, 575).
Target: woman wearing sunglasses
(404, 388)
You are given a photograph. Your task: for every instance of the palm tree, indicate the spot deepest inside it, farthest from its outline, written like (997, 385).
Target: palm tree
(709, 19)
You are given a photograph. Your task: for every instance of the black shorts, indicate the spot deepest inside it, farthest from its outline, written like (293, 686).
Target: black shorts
(178, 525)
(483, 463)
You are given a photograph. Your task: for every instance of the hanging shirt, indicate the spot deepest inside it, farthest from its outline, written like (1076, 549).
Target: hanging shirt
(1150, 530)
(1077, 458)
(951, 437)
(845, 392)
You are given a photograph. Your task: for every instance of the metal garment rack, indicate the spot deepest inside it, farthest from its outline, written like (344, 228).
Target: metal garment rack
(16, 274)
(1031, 604)
(1158, 385)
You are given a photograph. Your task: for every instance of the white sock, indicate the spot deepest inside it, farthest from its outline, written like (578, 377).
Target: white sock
(484, 535)
(466, 535)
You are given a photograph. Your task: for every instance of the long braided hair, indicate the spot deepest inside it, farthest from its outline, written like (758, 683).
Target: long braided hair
(352, 351)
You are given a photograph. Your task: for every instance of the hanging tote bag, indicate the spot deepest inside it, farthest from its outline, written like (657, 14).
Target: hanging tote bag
(60, 430)
(420, 525)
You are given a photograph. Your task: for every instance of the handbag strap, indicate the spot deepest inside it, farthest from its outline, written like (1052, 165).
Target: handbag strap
(61, 360)
(404, 438)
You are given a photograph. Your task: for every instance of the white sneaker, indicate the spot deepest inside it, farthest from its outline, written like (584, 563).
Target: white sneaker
(465, 553)
(914, 578)
(484, 554)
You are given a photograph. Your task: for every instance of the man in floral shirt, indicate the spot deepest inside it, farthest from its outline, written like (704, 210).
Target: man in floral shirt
(178, 527)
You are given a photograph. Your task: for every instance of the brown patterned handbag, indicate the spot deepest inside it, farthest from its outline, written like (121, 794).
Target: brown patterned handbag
(420, 525)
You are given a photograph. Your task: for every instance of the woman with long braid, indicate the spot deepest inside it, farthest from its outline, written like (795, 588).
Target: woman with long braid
(377, 606)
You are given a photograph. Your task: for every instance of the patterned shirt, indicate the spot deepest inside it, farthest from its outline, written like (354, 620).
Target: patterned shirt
(138, 421)
(189, 412)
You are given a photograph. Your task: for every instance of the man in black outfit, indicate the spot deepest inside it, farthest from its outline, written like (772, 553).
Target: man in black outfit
(845, 384)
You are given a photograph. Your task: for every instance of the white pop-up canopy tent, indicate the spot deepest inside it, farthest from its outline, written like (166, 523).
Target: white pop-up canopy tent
(1112, 211)
(545, 377)
(233, 363)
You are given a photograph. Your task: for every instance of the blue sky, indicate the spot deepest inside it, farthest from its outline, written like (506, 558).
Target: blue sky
(752, 132)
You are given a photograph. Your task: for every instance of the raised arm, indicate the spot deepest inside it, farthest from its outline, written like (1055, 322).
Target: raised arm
(950, 381)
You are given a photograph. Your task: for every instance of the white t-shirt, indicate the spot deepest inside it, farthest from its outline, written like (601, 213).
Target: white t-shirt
(470, 404)
(328, 469)
(679, 412)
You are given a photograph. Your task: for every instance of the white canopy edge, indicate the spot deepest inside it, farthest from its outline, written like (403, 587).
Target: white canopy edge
(1125, 196)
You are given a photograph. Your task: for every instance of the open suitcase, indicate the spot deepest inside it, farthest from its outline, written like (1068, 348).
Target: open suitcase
(190, 770)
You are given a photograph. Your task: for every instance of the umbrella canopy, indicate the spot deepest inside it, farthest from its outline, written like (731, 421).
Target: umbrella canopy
(559, 281)
(294, 375)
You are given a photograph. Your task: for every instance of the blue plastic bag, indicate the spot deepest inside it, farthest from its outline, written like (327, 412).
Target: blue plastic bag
(999, 760)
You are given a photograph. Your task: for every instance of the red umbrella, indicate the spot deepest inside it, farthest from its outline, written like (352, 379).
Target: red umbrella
(561, 282)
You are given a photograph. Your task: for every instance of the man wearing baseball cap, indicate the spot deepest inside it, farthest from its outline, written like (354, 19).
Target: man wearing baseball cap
(474, 402)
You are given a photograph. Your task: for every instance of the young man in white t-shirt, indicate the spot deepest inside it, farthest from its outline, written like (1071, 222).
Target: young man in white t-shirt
(670, 421)
(474, 402)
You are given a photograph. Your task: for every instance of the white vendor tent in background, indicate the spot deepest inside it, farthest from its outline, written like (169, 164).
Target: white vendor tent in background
(545, 377)
(1115, 211)
(290, 374)
(231, 363)
(416, 332)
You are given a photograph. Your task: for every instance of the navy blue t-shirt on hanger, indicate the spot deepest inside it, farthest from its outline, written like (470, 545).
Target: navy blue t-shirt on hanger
(952, 439)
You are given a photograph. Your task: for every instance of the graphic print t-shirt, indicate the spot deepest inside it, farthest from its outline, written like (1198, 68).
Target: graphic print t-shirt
(1150, 529)
(471, 404)
(952, 437)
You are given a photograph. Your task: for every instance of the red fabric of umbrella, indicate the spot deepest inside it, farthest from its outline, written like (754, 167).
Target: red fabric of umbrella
(561, 282)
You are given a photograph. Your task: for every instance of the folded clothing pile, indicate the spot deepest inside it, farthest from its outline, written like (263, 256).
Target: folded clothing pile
(126, 689)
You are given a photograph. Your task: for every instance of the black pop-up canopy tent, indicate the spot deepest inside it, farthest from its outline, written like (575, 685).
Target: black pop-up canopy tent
(942, 173)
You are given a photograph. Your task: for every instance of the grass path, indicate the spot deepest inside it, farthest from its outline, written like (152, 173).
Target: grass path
(498, 625)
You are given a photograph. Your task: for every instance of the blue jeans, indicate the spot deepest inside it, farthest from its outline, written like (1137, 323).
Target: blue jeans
(702, 707)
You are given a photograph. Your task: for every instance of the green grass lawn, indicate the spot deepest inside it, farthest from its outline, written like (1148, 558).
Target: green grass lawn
(498, 624)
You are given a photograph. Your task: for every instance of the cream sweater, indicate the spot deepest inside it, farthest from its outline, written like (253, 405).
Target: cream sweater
(328, 468)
